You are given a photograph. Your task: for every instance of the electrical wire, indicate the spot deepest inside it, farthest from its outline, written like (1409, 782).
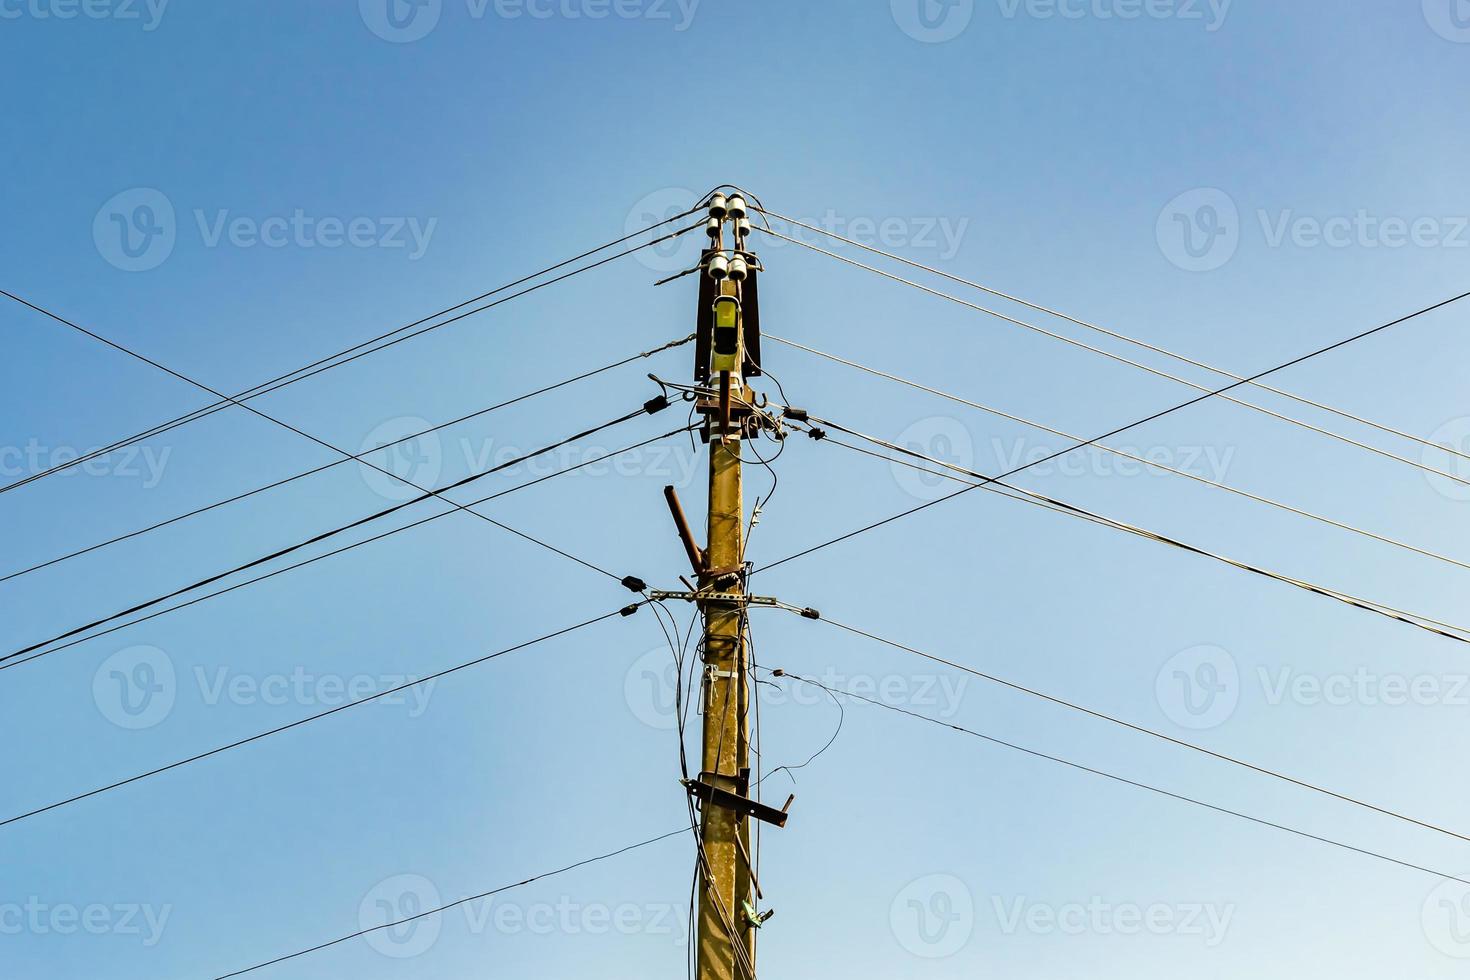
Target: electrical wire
(327, 466)
(310, 718)
(1123, 428)
(365, 541)
(1162, 467)
(1448, 630)
(1145, 345)
(360, 350)
(1144, 367)
(1102, 716)
(1034, 753)
(463, 901)
(650, 408)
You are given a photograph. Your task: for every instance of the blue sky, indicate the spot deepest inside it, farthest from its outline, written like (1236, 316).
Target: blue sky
(1241, 182)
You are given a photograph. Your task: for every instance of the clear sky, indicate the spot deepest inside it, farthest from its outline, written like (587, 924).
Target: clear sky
(239, 189)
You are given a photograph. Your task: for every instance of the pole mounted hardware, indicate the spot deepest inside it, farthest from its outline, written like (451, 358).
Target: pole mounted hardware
(743, 805)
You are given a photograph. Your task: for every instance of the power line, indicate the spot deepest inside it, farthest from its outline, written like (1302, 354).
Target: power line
(358, 544)
(1034, 753)
(332, 465)
(1143, 367)
(1123, 428)
(650, 407)
(1447, 630)
(626, 611)
(1123, 454)
(1145, 345)
(463, 901)
(317, 538)
(329, 362)
(1073, 706)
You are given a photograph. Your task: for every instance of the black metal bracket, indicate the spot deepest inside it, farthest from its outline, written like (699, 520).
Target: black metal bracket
(743, 805)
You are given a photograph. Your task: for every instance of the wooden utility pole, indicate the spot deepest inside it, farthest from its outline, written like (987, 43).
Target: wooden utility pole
(725, 355)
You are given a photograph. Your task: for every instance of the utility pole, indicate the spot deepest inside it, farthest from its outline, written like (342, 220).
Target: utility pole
(726, 354)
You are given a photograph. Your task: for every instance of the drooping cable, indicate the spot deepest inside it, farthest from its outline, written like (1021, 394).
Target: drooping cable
(1371, 331)
(463, 901)
(218, 750)
(350, 354)
(1124, 454)
(325, 535)
(981, 481)
(1116, 335)
(1144, 367)
(1037, 754)
(1141, 729)
(327, 466)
